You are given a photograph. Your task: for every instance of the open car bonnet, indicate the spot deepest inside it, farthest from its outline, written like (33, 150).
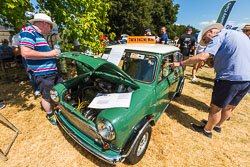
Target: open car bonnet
(98, 65)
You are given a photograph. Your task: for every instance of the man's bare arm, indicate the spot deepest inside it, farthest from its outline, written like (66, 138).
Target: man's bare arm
(203, 56)
(27, 52)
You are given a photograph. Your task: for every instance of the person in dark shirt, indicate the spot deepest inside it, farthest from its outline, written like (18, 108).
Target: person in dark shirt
(164, 37)
(148, 32)
(6, 51)
(186, 43)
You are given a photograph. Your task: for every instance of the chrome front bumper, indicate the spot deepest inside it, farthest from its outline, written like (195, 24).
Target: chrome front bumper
(88, 147)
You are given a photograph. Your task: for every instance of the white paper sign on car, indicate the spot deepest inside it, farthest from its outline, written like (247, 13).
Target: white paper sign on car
(105, 56)
(112, 100)
(115, 55)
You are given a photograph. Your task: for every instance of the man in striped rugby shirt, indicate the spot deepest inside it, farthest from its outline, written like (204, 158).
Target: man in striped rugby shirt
(40, 58)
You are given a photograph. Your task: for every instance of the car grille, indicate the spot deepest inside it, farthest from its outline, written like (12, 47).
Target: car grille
(81, 125)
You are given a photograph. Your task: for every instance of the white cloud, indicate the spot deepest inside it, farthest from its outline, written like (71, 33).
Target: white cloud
(236, 24)
(241, 25)
(207, 22)
(230, 22)
(246, 18)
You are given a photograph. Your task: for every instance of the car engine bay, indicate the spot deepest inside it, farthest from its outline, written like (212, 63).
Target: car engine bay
(81, 94)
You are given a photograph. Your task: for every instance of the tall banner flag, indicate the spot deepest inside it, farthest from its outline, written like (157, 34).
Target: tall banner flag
(225, 11)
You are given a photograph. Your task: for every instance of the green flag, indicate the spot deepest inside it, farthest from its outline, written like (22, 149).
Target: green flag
(225, 11)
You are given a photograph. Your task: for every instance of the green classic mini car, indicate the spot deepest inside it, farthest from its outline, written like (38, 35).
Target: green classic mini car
(142, 78)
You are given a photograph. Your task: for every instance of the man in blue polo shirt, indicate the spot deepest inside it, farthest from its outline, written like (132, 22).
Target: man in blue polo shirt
(40, 58)
(164, 36)
(231, 53)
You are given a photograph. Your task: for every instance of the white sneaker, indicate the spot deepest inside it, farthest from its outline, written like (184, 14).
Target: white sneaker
(194, 79)
(37, 93)
(2, 106)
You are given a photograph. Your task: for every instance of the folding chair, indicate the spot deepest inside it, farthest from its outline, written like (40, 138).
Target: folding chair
(3, 155)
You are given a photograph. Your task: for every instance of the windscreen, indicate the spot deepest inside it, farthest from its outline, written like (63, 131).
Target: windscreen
(139, 66)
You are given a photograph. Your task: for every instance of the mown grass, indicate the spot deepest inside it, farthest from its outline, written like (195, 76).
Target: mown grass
(173, 143)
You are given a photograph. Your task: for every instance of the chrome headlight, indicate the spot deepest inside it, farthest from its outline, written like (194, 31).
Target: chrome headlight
(105, 129)
(54, 95)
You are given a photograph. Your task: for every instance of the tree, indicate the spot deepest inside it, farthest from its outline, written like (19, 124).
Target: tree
(134, 16)
(130, 16)
(164, 14)
(180, 29)
(12, 13)
(82, 20)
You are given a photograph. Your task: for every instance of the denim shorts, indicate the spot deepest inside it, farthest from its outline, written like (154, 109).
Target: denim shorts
(46, 83)
(229, 92)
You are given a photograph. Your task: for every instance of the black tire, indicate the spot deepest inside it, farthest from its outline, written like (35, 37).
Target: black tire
(178, 94)
(140, 147)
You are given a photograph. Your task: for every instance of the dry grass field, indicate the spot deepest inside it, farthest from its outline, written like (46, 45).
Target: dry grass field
(173, 143)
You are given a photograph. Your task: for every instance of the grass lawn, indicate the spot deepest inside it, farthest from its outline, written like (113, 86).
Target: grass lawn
(173, 143)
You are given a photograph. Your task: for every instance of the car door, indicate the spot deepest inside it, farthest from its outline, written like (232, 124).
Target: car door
(163, 86)
(174, 75)
(167, 81)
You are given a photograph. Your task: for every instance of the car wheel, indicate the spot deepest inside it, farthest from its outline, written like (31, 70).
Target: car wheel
(178, 94)
(140, 147)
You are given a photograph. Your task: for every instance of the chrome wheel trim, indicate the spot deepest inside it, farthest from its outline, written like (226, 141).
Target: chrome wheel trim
(142, 145)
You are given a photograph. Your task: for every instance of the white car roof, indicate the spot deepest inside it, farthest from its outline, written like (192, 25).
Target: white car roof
(154, 48)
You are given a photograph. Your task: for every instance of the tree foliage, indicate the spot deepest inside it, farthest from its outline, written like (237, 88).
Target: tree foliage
(134, 16)
(82, 20)
(164, 14)
(86, 20)
(12, 13)
(130, 16)
(180, 29)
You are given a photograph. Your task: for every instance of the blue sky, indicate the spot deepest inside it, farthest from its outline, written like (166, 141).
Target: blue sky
(200, 13)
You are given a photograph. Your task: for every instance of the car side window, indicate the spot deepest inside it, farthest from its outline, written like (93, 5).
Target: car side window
(177, 57)
(165, 68)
